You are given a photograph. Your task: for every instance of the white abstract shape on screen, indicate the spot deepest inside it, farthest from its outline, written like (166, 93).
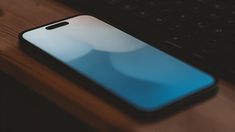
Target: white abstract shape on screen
(102, 36)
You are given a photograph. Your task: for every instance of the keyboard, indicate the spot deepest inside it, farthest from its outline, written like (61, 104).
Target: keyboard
(200, 31)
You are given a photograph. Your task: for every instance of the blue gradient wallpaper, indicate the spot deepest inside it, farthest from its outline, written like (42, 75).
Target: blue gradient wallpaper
(136, 72)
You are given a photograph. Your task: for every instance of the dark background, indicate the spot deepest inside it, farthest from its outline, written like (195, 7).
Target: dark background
(22, 110)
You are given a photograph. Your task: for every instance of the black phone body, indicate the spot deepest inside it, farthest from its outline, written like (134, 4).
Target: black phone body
(135, 77)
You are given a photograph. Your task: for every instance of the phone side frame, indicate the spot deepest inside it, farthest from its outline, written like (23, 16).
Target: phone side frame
(107, 96)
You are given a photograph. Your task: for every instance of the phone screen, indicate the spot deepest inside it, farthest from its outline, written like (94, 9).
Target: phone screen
(134, 71)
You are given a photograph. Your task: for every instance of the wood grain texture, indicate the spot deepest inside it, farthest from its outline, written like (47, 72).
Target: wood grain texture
(215, 115)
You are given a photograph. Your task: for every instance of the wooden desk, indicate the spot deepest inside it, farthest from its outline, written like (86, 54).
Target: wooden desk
(23, 110)
(217, 114)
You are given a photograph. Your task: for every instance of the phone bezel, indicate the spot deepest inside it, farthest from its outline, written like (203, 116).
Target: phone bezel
(105, 95)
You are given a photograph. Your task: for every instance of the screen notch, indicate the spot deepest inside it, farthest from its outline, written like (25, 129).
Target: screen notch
(57, 25)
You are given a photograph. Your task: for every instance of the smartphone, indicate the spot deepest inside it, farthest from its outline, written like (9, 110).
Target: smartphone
(131, 74)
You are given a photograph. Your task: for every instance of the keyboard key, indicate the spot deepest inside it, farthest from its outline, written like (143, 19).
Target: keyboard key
(113, 2)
